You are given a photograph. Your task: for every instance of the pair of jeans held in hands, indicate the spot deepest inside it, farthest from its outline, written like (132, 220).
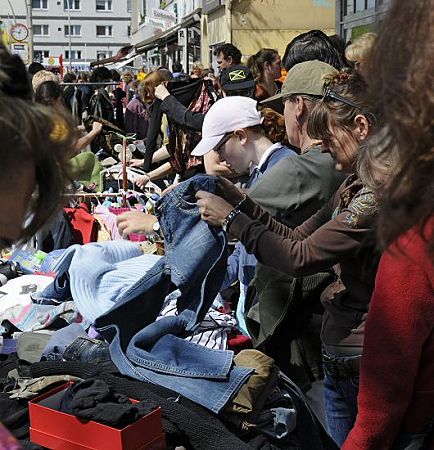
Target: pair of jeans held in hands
(194, 263)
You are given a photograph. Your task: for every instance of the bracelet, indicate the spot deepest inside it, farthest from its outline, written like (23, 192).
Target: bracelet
(229, 219)
(241, 201)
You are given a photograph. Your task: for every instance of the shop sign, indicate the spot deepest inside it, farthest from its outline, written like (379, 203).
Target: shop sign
(22, 50)
(157, 23)
(182, 36)
(52, 61)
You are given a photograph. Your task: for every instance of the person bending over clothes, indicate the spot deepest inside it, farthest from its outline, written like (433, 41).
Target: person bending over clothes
(257, 146)
(336, 236)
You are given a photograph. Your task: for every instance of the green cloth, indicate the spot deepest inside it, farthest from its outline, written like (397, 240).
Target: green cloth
(85, 168)
(293, 190)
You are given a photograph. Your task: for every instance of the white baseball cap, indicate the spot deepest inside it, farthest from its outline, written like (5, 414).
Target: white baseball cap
(226, 115)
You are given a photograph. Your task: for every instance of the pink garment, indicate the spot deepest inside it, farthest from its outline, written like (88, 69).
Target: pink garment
(109, 219)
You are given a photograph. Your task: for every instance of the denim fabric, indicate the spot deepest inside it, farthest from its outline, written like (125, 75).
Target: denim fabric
(87, 273)
(60, 340)
(340, 400)
(194, 262)
(277, 423)
(86, 349)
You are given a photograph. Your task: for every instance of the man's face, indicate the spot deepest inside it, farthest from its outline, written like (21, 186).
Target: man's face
(222, 62)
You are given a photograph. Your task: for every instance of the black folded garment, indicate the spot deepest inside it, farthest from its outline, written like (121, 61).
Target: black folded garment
(95, 400)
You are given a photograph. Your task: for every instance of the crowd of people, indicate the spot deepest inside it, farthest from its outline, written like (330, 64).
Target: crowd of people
(319, 182)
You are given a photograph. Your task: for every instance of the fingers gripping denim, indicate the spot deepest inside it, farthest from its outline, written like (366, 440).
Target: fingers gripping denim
(195, 262)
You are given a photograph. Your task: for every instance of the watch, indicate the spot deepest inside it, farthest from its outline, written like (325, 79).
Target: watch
(157, 231)
(229, 219)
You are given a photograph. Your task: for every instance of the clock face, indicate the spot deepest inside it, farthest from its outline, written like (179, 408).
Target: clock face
(19, 31)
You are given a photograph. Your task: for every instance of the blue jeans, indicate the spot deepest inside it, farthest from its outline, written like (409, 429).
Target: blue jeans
(195, 263)
(340, 401)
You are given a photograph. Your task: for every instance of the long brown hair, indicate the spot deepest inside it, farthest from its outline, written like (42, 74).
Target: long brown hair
(330, 113)
(256, 62)
(401, 79)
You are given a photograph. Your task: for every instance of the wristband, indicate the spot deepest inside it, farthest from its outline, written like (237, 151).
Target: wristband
(229, 219)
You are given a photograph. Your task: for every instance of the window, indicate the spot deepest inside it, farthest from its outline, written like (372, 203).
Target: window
(75, 54)
(40, 4)
(75, 30)
(129, 30)
(40, 30)
(104, 54)
(129, 7)
(71, 5)
(39, 55)
(104, 30)
(104, 5)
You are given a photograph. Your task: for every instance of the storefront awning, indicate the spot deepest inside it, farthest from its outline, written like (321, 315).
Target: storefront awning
(123, 53)
(161, 37)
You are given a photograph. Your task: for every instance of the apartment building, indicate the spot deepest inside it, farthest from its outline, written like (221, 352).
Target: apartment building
(79, 30)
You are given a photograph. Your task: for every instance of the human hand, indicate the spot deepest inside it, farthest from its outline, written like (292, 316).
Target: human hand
(213, 209)
(228, 191)
(142, 181)
(96, 128)
(161, 91)
(135, 222)
(136, 162)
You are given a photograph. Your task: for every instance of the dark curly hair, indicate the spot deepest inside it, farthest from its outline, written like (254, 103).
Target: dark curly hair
(401, 79)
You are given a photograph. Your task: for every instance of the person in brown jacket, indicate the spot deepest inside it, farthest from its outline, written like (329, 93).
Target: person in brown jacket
(336, 236)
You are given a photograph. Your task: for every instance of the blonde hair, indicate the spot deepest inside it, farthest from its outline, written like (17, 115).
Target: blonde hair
(42, 76)
(359, 50)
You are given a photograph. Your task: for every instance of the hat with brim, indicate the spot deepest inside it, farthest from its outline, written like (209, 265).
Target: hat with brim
(225, 116)
(306, 78)
(206, 145)
(236, 78)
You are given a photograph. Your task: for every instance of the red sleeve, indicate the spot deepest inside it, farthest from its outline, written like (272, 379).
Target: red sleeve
(400, 321)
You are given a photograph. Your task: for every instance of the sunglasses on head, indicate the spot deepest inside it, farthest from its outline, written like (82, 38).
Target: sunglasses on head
(330, 94)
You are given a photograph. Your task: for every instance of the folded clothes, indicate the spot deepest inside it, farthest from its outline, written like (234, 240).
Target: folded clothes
(93, 399)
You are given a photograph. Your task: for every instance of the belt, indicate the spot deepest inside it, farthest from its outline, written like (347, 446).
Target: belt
(341, 367)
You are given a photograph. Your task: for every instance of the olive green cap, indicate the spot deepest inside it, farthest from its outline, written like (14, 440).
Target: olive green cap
(304, 78)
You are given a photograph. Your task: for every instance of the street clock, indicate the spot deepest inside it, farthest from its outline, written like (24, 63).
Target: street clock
(19, 32)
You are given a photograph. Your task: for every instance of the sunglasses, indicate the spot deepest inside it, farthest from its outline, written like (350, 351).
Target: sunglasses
(330, 94)
(218, 148)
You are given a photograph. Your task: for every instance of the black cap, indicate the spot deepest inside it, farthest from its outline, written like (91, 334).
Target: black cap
(237, 77)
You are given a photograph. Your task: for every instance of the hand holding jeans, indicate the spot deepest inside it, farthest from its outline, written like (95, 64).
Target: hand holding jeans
(213, 209)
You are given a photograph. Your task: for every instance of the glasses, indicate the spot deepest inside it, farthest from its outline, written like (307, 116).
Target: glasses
(218, 148)
(329, 93)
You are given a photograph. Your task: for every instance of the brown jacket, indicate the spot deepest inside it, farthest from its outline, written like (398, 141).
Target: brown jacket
(339, 235)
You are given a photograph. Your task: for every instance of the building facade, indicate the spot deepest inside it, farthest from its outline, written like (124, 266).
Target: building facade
(166, 31)
(356, 17)
(79, 30)
(254, 24)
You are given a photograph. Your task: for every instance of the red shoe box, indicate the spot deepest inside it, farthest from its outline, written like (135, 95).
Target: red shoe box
(57, 430)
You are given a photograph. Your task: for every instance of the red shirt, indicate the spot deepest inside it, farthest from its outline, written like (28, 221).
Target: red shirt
(397, 370)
